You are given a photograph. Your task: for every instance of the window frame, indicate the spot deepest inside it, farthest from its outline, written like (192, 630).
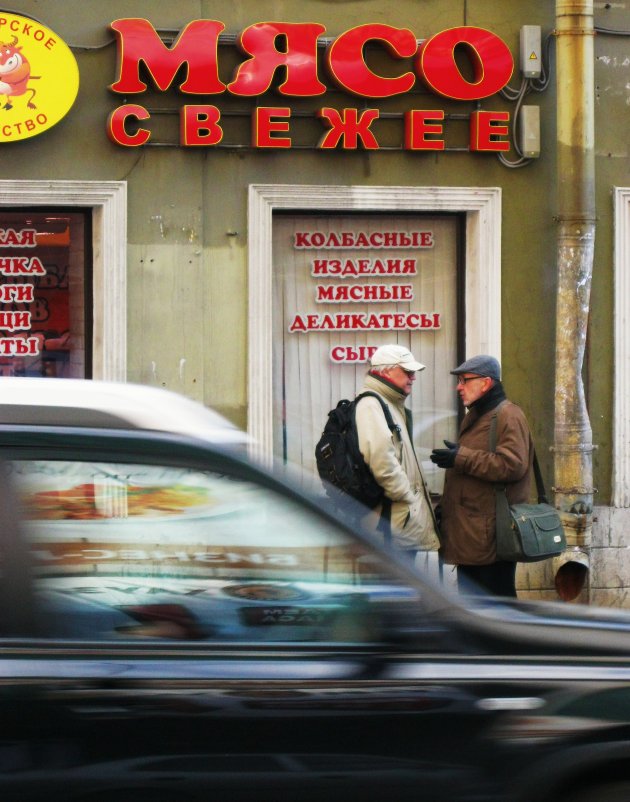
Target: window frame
(107, 201)
(481, 207)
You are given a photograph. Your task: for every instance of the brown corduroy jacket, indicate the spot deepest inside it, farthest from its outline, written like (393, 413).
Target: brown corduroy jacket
(468, 501)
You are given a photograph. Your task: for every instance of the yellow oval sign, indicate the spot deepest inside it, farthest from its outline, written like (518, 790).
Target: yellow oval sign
(39, 78)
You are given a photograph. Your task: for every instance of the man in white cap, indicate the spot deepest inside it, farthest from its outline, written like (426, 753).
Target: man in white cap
(473, 470)
(391, 456)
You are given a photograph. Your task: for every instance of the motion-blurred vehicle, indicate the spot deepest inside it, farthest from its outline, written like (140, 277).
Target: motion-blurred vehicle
(112, 405)
(177, 623)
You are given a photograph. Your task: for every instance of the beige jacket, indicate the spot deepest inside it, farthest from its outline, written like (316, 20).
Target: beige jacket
(393, 462)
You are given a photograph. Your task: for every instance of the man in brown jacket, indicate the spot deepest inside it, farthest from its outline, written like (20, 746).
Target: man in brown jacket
(391, 457)
(467, 507)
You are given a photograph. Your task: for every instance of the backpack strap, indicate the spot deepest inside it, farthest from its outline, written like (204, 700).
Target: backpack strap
(393, 427)
(384, 524)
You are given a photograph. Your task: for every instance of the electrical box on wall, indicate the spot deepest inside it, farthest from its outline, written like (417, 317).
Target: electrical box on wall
(531, 53)
(529, 132)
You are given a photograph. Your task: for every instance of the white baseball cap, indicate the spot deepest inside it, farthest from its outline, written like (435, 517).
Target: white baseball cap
(389, 355)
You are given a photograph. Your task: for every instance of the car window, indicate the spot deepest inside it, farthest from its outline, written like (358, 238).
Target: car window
(149, 552)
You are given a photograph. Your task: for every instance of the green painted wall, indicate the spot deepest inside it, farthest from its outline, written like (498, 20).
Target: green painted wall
(187, 228)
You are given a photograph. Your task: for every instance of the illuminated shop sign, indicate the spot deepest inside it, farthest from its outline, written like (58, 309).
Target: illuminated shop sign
(39, 78)
(291, 50)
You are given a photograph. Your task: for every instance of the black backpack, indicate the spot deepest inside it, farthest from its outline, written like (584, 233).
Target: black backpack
(340, 463)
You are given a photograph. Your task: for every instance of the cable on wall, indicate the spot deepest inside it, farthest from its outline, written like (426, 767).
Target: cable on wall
(527, 85)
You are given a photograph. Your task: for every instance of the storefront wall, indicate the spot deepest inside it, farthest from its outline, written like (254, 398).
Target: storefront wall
(190, 258)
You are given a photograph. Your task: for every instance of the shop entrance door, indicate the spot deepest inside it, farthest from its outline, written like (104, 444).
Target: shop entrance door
(342, 286)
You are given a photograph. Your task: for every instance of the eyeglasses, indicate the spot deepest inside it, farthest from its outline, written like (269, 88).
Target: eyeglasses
(408, 372)
(464, 379)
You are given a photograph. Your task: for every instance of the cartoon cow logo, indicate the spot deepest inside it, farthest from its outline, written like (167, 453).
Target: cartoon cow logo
(39, 78)
(15, 74)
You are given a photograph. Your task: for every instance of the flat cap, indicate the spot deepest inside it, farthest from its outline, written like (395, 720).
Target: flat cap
(480, 365)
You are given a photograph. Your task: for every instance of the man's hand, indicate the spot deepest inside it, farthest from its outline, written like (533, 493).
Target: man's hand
(445, 457)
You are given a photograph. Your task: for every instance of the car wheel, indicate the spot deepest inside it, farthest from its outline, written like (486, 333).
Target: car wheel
(610, 792)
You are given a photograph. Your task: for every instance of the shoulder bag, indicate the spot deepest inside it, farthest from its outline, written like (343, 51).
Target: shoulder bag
(526, 532)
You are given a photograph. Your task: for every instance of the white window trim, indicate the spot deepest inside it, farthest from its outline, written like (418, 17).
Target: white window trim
(621, 402)
(482, 206)
(108, 201)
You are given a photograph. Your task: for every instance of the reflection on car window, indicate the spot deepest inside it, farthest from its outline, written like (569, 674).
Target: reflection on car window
(124, 551)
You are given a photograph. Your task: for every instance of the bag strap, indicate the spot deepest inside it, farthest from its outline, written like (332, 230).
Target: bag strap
(393, 427)
(384, 524)
(540, 486)
(502, 505)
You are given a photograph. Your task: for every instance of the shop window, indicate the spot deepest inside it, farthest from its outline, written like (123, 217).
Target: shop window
(479, 299)
(45, 293)
(344, 285)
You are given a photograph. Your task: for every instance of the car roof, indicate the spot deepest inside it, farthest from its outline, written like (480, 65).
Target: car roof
(111, 405)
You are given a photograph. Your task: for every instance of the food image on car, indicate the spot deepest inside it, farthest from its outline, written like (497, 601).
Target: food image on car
(91, 501)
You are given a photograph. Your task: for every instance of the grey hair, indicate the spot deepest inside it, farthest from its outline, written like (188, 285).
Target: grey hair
(385, 368)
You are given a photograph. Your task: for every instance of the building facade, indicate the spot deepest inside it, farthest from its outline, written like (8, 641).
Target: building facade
(238, 202)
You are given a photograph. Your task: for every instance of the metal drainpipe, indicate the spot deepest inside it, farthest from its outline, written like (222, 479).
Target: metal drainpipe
(573, 441)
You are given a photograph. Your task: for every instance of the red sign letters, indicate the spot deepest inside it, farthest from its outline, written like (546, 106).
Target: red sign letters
(291, 50)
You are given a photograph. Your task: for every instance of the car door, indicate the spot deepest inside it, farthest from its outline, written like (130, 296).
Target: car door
(188, 627)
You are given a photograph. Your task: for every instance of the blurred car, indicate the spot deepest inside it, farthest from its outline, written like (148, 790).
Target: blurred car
(111, 405)
(178, 623)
